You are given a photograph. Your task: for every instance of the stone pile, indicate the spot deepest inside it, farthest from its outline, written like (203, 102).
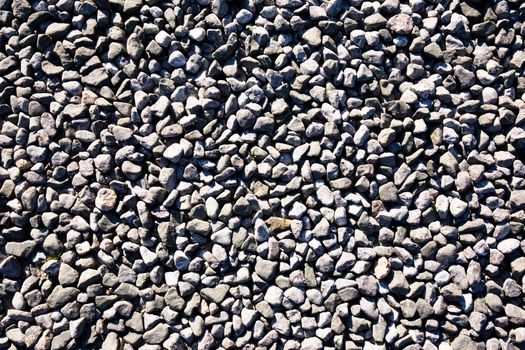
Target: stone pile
(262, 174)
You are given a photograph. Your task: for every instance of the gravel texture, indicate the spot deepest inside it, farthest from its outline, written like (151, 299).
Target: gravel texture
(262, 174)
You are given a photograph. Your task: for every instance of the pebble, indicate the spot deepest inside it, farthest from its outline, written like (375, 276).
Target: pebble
(106, 199)
(312, 36)
(400, 24)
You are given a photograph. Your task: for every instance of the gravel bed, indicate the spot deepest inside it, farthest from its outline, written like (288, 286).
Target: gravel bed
(262, 174)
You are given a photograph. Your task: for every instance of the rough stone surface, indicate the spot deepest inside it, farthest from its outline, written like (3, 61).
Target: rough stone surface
(262, 174)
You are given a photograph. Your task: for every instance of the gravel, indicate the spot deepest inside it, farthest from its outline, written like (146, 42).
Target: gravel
(277, 174)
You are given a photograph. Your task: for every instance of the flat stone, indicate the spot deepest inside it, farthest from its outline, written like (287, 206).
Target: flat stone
(20, 249)
(198, 226)
(515, 314)
(266, 269)
(60, 296)
(157, 334)
(216, 294)
(398, 283)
